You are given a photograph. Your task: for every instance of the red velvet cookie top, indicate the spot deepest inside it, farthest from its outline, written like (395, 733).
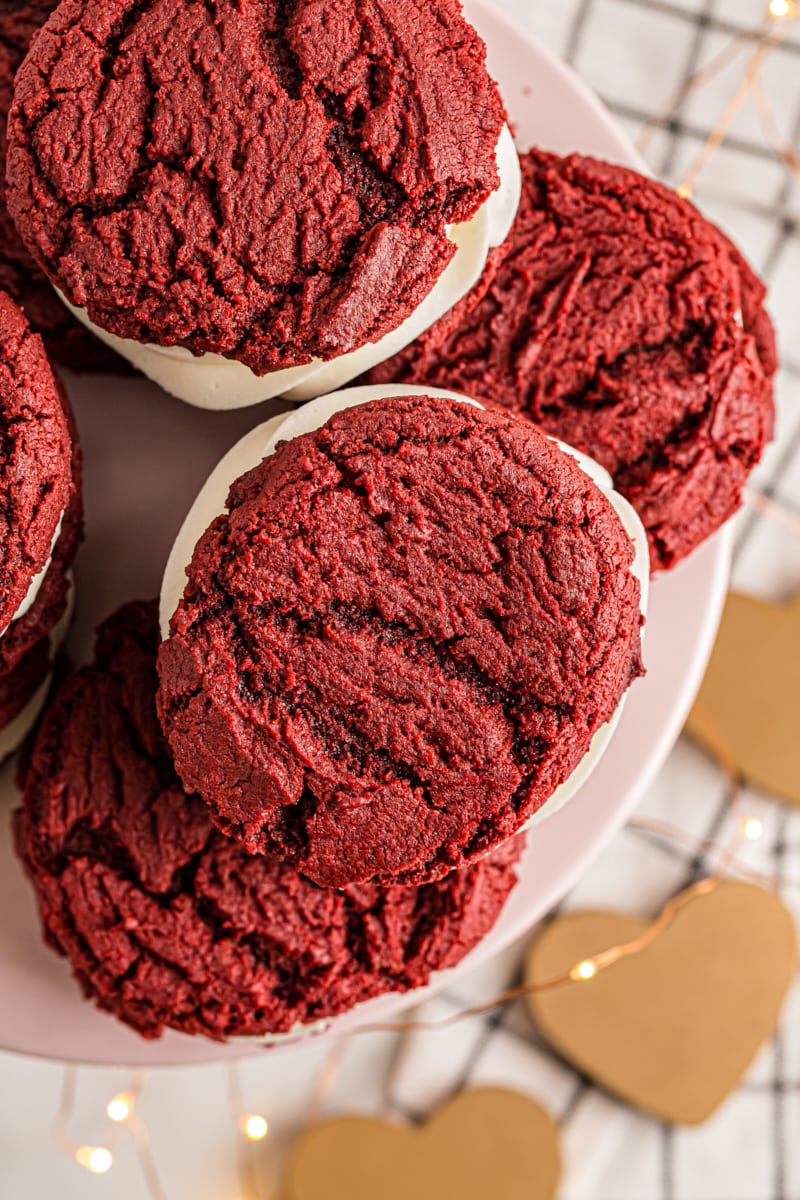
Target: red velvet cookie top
(624, 323)
(27, 651)
(167, 923)
(53, 595)
(398, 641)
(35, 466)
(66, 340)
(269, 180)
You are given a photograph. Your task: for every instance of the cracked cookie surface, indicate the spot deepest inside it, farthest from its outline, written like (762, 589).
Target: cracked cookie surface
(398, 641)
(269, 180)
(167, 923)
(65, 339)
(36, 463)
(624, 323)
(28, 637)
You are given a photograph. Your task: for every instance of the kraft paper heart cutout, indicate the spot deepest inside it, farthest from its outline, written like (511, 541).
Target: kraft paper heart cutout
(748, 705)
(672, 1028)
(485, 1143)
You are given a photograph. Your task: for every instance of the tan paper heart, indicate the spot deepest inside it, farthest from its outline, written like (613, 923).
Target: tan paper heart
(749, 701)
(672, 1028)
(480, 1145)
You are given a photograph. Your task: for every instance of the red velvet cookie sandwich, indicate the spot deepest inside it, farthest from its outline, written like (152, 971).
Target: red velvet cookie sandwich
(272, 183)
(398, 640)
(167, 923)
(40, 520)
(624, 323)
(66, 340)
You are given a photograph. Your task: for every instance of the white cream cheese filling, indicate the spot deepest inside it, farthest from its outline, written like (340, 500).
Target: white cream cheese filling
(14, 733)
(36, 582)
(214, 382)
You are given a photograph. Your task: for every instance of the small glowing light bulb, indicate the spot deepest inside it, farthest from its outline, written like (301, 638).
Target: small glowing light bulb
(254, 1127)
(96, 1159)
(119, 1107)
(752, 829)
(781, 8)
(584, 970)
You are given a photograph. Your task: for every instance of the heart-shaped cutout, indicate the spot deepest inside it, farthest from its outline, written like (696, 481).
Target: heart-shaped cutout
(484, 1143)
(749, 701)
(672, 1028)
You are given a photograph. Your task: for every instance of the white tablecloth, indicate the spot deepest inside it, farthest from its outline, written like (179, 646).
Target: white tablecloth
(636, 54)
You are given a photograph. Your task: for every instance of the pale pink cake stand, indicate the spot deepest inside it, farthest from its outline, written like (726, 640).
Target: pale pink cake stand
(147, 455)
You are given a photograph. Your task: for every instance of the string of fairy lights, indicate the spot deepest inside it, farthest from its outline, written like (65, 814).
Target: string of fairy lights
(123, 1111)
